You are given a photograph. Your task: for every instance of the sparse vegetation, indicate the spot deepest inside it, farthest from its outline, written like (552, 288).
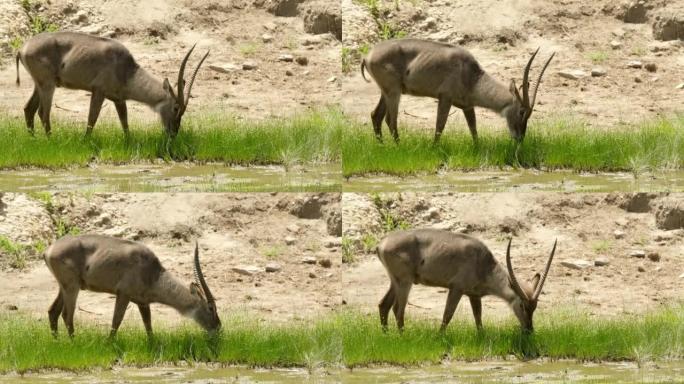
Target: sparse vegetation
(348, 255)
(601, 246)
(597, 57)
(17, 256)
(549, 145)
(390, 222)
(249, 49)
(313, 138)
(349, 338)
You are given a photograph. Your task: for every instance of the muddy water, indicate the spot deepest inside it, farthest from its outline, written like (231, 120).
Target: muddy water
(524, 180)
(455, 372)
(177, 177)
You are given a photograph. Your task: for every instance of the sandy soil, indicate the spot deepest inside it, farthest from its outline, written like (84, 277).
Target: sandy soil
(503, 34)
(159, 32)
(584, 224)
(233, 230)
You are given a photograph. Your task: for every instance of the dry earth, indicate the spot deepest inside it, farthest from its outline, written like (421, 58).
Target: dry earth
(233, 230)
(159, 32)
(588, 227)
(503, 34)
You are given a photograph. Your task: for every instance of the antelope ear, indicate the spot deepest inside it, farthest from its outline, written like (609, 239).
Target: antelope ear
(535, 281)
(514, 90)
(195, 289)
(168, 88)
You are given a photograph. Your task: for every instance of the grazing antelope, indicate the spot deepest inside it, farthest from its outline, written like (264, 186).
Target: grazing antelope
(128, 270)
(449, 74)
(460, 263)
(103, 67)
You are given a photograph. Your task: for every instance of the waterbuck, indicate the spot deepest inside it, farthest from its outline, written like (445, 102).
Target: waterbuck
(449, 74)
(460, 263)
(128, 270)
(103, 67)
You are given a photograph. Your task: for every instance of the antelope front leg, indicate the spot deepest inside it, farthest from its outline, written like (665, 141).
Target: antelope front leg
(122, 111)
(443, 108)
(96, 101)
(119, 312)
(452, 302)
(476, 305)
(470, 119)
(146, 317)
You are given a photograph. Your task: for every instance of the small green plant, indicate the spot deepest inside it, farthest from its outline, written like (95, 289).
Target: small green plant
(272, 252)
(346, 59)
(597, 57)
(601, 246)
(45, 198)
(369, 242)
(64, 227)
(249, 49)
(16, 254)
(389, 31)
(15, 43)
(348, 250)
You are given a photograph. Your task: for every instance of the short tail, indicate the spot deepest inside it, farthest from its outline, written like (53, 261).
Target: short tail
(18, 58)
(363, 66)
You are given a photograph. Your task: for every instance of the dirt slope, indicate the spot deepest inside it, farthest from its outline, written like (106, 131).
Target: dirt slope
(233, 230)
(587, 226)
(503, 34)
(159, 33)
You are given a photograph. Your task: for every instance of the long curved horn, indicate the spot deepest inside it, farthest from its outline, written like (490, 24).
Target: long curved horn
(536, 85)
(525, 83)
(181, 80)
(537, 291)
(200, 277)
(511, 274)
(192, 81)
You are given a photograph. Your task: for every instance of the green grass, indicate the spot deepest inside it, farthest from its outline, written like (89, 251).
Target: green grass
(306, 139)
(349, 338)
(557, 144)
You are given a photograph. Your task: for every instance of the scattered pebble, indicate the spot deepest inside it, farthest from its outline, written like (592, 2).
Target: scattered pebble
(598, 72)
(312, 275)
(601, 262)
(266, 38)
(11, 307)
(651, 67)
(576, 264)
(615, 44)
(288, 73)
(332, 243)
(654, 256)
(309, 260)
(332, 79)
(247, 270)
(286, 57)
(289, 240)
(249, 66)
(680, 86)
(325, 263)
(302, 60)
(638, 254)
(635, 64)
(294, 228)
(572, 74)
(619, 234)
(637, 79)
(641, 269)
(273, 267)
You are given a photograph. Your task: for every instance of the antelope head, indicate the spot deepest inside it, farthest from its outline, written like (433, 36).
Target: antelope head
(528, 292)
(519, 112)
(174, 105)
(205, 314)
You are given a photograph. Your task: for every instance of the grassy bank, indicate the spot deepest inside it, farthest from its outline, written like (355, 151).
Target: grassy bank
(209, 137)
(348, 338)
(557, 144)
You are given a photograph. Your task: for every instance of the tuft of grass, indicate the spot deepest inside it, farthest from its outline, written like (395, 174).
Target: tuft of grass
(350, 338)
(63, 228)
(348, 256)
(601, 246)
(310, 138)
(552, 144)
(562, 334)
(249, 49)
(16, 255)
(597, 57)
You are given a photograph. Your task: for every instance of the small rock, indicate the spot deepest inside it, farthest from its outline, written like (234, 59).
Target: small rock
(294, 228)
(325, 263)
(615, 44)
(247, 270)
(289, 240)
(429, 23)
(638, 254)
(680, 86)
(249, 66)
(641, 269)
(572, 74)
(598, 72)
(637, 79)
(302, 60)
(654, 256)
(332, 79)
(681, 276)
(432, 214)
(288, 73)
(266, 38)
(224, 68)
(11, 307)
(109, 34)
(311, 40)
(286, 57)
(309, 260)
(312, 275)
(576, 264)
(462, 230)
(601, 262)
(635, 64)
(651, 67)
(273, 267)
(619, 234)
(332, 243)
